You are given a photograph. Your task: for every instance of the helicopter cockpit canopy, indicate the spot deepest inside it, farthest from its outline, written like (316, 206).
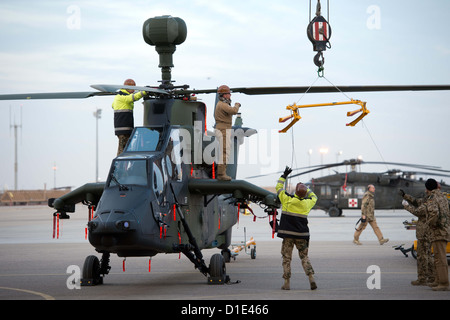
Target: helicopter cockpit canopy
(145, 139)
(129, 172)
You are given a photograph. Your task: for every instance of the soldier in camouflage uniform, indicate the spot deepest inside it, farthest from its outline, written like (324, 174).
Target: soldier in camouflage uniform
(425, 262)
(368, 214)
(294, 229)
(436, 210)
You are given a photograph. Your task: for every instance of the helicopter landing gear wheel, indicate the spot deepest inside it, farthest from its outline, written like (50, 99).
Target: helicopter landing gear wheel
(334, 212)
(217, 270)
(226, 254)
(253, 253)
(91, 272)
(413, 252)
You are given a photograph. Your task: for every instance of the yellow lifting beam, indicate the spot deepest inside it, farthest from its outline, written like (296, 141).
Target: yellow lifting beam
(294, 108)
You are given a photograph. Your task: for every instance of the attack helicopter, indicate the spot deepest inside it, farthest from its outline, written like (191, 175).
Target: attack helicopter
(345, 190)
(160, 195)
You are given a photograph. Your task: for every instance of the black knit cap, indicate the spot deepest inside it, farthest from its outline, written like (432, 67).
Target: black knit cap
(431, 184)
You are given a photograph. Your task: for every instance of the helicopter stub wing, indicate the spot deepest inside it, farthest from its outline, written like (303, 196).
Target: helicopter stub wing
(239, 189)
(90, 192)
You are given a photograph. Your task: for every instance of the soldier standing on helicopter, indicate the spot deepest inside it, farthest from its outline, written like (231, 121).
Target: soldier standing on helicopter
(123, 106)
(223, 115)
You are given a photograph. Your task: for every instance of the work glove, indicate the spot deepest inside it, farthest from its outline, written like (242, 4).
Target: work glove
(286, 172)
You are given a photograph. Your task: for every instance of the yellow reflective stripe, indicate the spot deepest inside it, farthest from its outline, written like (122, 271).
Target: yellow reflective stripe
(123, 128)
(295, 214)
(293, 233)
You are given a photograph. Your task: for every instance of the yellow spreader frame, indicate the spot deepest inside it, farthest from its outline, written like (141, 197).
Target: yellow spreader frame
(294, 108)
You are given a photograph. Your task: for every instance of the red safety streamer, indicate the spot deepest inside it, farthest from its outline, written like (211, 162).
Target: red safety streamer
(123, 264)
(57, 225)
(174, 212)
(274, 221)
(54, 226)
(219, 221)
(239, 209)
(179, 239)
(149, 264)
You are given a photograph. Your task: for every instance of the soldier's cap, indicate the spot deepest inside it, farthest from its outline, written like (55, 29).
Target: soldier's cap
(431, 184)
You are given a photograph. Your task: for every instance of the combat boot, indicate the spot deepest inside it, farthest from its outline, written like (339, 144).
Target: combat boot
(419, 283)
(383, 241)
(442, 279)
(312, 282)
(286, 285)
(222, 172)
(440, 288)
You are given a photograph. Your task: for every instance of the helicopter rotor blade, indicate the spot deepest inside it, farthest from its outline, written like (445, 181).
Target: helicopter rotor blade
(103, 90)
(355, 162)
(426, 173)
(325, 89)
(278, 172)
(420, 166)
(53, 95)
(112, 88)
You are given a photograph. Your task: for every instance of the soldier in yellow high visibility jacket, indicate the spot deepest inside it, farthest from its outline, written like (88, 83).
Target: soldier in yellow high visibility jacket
(123, 106)
(293, 227)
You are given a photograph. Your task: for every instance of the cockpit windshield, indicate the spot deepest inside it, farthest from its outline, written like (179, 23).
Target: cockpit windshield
(129, 172)
(145, 139)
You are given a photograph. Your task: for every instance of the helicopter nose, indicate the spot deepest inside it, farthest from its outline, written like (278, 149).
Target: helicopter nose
(119, 226)
(112, 228)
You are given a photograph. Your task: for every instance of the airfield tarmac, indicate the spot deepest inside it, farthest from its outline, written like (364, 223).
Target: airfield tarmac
(34, 265)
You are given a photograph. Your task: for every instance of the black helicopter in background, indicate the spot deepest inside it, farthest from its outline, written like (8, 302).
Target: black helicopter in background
(345, 190)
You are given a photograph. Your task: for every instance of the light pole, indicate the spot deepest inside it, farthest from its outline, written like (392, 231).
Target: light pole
(97, 115)
(322, 151)
(54, 175)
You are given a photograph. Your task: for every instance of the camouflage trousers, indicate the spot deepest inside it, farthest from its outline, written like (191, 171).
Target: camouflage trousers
(425, 262)
(123, 139)
(286, 253)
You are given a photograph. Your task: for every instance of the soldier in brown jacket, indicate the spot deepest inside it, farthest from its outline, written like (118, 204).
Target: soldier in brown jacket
(368, 215)
(223, 115)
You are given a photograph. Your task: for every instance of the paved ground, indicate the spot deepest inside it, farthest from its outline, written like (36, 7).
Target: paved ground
(34, 265)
